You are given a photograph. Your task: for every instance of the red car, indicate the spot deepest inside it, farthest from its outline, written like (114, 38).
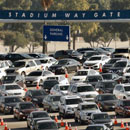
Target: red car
(23, 109)
(123, 108)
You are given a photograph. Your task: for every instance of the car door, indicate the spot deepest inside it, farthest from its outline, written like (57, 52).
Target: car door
(46, 99)
(116, 91)
(33, 66)
(122, 91)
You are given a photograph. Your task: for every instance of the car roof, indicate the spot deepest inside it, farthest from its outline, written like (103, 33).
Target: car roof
(70, 96)
(10, 84)
(79, 84)
(96, 125)
(87, 103)
(45, 121)
(39, 112)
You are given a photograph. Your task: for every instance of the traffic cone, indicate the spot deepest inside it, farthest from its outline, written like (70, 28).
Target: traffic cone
(66, 74)
(37, 87)
(127, 128)
(70, 128)
(56, 120)
(6, 128)
(122, 124)
(66, 126)
(61, 123)
(25, 89)
(2, 122)
(115, 121)
(100, 68)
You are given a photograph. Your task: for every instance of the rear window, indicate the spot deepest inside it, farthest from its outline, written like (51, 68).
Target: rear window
(38, 62)
(81, 73)
(122, 50)
(11, 87)
(38, 73)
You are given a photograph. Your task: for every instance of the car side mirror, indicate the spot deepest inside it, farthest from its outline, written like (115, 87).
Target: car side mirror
(27, 65)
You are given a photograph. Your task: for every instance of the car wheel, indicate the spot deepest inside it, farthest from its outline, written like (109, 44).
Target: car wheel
(23, 74)
(19, 118)
(40, 82)
(77, 68)
(14, 116)
(28, 125)
(64, 115)
(76, 120)
(81, 122)
(4, 112)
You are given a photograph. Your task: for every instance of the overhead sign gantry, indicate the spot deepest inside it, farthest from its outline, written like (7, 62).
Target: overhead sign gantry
(11, 16)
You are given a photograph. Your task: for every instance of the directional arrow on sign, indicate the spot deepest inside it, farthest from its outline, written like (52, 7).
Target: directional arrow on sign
(45, 37)
(67, 37)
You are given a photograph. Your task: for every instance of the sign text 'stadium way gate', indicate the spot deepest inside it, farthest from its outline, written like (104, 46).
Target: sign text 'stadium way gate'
(40, 16)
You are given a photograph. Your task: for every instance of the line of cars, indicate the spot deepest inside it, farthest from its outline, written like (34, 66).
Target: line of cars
(85, 97)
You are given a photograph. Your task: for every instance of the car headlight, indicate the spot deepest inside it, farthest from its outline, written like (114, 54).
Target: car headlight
(35, 99)
(111, 123)
(21, 113)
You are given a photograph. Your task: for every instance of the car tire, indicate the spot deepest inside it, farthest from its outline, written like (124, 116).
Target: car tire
(19, 118)
(4, 112)
(28, 126)
(76, 120)
(81, 122)
(23, 74)
(64, 115)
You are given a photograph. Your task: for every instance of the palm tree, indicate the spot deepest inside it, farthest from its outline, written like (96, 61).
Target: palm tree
(45, 4)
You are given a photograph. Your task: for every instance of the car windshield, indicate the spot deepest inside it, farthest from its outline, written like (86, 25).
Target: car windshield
(108, 97)
(12, 87)
(126, 103)
(27, 106)
(19, 64)
(81, 73)
(55, 98)
(107, 76)
(100, 116)
(38, 93)
(109, 84)
(127, 88)
(50, 83)
(64, 88)
(95, 128)
(11, 100)
(62, 62)
(47, 126)
(40, 114)
(89, 107)
(112, 61)
(9, 78)
(38, 73)
(73, 101)
(120, 64)
(94, 79)
(85, 89)
(95, 58)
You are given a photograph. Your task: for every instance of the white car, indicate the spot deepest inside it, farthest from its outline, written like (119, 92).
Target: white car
(86, 91)
(38, 76)
(12, 90)
(60, 78)
(68, 104)
(97, 126)
(24, 67)
(60, 89)
(95, 61)
(122, 91)
(84, 110)
(2, 73)
(47, 62)
(82, 74)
